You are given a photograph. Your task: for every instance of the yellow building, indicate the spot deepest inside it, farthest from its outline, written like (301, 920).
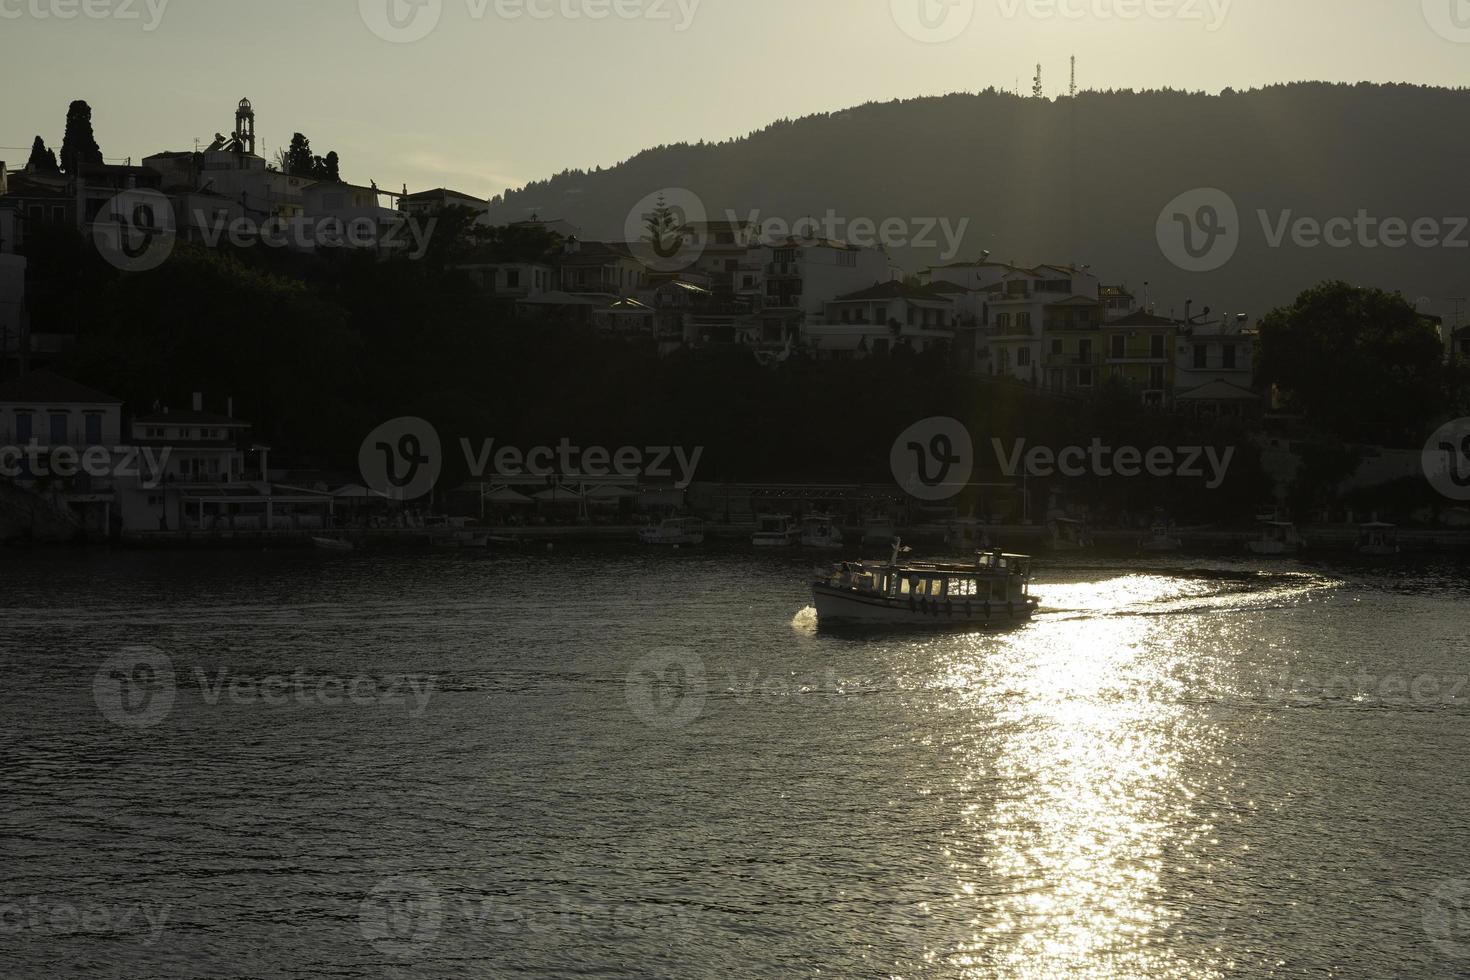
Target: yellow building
(1140, 353)
(1072, 345)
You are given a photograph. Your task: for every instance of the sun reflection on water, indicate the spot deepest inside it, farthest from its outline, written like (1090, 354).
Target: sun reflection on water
(1086, 756)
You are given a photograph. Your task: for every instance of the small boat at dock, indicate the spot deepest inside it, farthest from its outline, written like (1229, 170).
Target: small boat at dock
(821, 533)
(1277, 538)
(1161, 539)
(1070, 535)
(332, 544)
(1378, 540)
(776, 531)
(994, 590)
(676, 532)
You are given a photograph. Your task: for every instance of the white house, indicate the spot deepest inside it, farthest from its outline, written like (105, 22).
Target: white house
(881, 318)
(63, 436)
(802, 275)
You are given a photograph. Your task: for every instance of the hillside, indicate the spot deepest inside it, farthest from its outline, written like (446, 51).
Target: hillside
(1086, 179)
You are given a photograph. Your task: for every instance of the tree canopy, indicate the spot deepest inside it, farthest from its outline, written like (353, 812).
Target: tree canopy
(43, 160)
(1362, 364)
(79, 146)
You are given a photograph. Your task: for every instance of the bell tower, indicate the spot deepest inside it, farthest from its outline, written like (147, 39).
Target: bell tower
(245, 126)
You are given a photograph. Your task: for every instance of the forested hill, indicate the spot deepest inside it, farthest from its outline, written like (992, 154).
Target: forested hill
(1085, 179)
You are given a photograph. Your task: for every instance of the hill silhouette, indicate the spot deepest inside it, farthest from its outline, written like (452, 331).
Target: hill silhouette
(1085, 179)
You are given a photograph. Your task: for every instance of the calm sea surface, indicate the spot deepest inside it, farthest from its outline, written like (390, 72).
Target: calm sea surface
(619, 764)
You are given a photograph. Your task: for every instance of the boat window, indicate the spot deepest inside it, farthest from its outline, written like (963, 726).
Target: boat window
(907, 586)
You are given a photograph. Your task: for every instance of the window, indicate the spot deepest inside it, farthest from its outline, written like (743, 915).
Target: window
(512, 278)
(1002, 321)
(1084, 377)
(1120, 346)
(94, 429)
(1230, 357)
(1056, 347)
(1084, 316)
(23, 427)
(1023, 321)
(1201, 357)
(1023, 357)
(58, 428)
(1156, 345)
(1156, 377)
(847, 260)
(1084, 349)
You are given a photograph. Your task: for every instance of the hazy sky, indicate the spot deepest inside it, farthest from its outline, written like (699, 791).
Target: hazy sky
(493, 96)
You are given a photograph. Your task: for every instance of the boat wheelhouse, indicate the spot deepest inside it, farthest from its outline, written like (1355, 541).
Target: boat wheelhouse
(674, 533)
(776, 531)
(1277, 538)
(1378, 540)
(992, 591)
(821, 532)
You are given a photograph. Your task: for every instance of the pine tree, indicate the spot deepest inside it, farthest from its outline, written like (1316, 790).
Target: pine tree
(79, 146)
(299, 161)
(43, 160)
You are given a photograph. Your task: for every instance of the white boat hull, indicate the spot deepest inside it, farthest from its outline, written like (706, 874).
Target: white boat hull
(837, 606)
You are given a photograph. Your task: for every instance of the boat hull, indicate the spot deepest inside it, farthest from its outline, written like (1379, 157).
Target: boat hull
(850, 607)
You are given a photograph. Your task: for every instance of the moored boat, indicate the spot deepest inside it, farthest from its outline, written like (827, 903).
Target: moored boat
(332, 544)
(1070, 535)
(1277, 538)
(1161, 539)
(1378, 540)
(776, 531)
(821, 532)
(994, 590)
(676, 532)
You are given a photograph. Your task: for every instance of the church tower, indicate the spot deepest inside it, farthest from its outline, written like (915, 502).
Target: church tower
(245, 126)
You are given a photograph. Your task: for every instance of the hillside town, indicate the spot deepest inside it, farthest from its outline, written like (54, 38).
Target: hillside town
(1059, 329)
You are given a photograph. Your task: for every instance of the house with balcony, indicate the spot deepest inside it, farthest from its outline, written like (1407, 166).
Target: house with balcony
(723, 248)
(599, 270)
(882, 318)
(1072, 345)
(801, 275)
(1021, 305)
(1141, 355)
(1214, 370)
(68, 424)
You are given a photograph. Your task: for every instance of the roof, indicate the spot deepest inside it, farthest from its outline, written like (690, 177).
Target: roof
(440, 192)
(45, 387)
(893, 289)
(1218, 391)
(190, 418)
(945, 286)
(1139, 318)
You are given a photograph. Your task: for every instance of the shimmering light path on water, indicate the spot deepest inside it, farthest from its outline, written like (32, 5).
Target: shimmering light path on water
(656, 765)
